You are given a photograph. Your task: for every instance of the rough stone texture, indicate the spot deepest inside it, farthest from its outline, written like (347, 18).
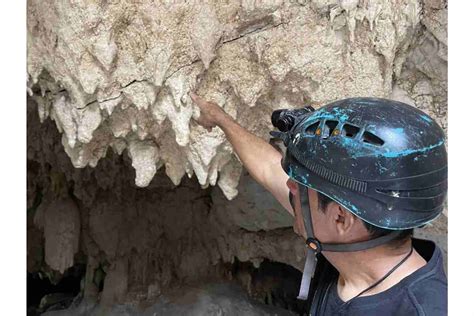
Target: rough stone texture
(117, 74)
(61, 233)
(141, 242)
(116, 283)
(424, 75)
(215, 299)
(246, 209)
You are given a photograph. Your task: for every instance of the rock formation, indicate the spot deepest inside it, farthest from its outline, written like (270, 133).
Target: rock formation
(111, 135)
(117, 74)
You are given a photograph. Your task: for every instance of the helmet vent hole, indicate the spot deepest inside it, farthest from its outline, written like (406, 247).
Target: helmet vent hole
(349, 130)
(372, 139)
(330, 126)
(313, 128)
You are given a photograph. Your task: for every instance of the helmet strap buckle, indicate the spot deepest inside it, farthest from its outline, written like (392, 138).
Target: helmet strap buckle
(314, 244)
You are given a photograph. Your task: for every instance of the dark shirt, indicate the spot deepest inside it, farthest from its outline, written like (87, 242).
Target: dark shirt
(424, 292)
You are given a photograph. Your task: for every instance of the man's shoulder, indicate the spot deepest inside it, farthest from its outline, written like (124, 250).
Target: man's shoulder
(424, 292)
(427, 287)
(429, 295)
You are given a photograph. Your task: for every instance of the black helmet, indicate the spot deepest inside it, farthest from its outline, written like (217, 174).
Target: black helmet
(385, 161)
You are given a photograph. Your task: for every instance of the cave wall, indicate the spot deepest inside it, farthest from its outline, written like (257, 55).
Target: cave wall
(116, 74)
(136, 244)
(123, 181)
(139, 242)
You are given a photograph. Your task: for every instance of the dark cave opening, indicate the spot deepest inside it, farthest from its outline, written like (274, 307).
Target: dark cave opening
(272, 283)
(118, 217)
(44, 295)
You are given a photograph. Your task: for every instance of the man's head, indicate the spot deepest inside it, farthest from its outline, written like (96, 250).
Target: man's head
(333, 223)
(383, 161)
(378, 160)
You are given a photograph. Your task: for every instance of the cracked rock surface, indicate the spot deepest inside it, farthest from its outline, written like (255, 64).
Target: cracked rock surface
(115, 75)
(123, 184)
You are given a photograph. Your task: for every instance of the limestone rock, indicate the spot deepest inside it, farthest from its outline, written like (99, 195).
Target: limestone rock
(144, 159)
(117, 74)
(210, 299)
(141, 242)
(246, 209)
(205, 32)
(116, 282)
(61, 232)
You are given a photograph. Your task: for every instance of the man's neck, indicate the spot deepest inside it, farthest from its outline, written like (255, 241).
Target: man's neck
(359, 270)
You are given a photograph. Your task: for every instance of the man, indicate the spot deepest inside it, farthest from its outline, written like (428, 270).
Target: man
(358, 175)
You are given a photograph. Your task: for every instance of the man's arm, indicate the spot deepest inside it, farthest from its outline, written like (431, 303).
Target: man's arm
(261, 159)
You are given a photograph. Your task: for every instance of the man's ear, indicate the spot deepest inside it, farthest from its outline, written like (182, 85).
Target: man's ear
(343, 219)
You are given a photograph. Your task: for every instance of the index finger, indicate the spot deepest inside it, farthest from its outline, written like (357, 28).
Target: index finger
(194, 96)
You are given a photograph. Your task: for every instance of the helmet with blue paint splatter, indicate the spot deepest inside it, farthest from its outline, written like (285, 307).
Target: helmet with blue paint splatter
(385, 161)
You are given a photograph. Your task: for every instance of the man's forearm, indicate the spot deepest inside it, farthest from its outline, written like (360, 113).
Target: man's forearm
(260, 158)
(257, 156)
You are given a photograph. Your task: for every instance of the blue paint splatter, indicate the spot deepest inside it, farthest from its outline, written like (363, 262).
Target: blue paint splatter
(334, 114)
(407, 152)
(359, 151)
(304, 179)
(427, 118)
(354, 147)
(399, 131)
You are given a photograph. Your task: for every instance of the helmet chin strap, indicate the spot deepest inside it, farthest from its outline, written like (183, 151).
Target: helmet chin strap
(315, 246)
(310, 263)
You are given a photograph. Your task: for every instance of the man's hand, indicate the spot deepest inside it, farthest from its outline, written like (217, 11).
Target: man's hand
(211, 113)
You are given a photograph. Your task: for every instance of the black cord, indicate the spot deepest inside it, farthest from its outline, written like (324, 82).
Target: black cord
(379, 281)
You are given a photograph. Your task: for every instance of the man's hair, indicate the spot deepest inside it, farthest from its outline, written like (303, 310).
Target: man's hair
(374, 231)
